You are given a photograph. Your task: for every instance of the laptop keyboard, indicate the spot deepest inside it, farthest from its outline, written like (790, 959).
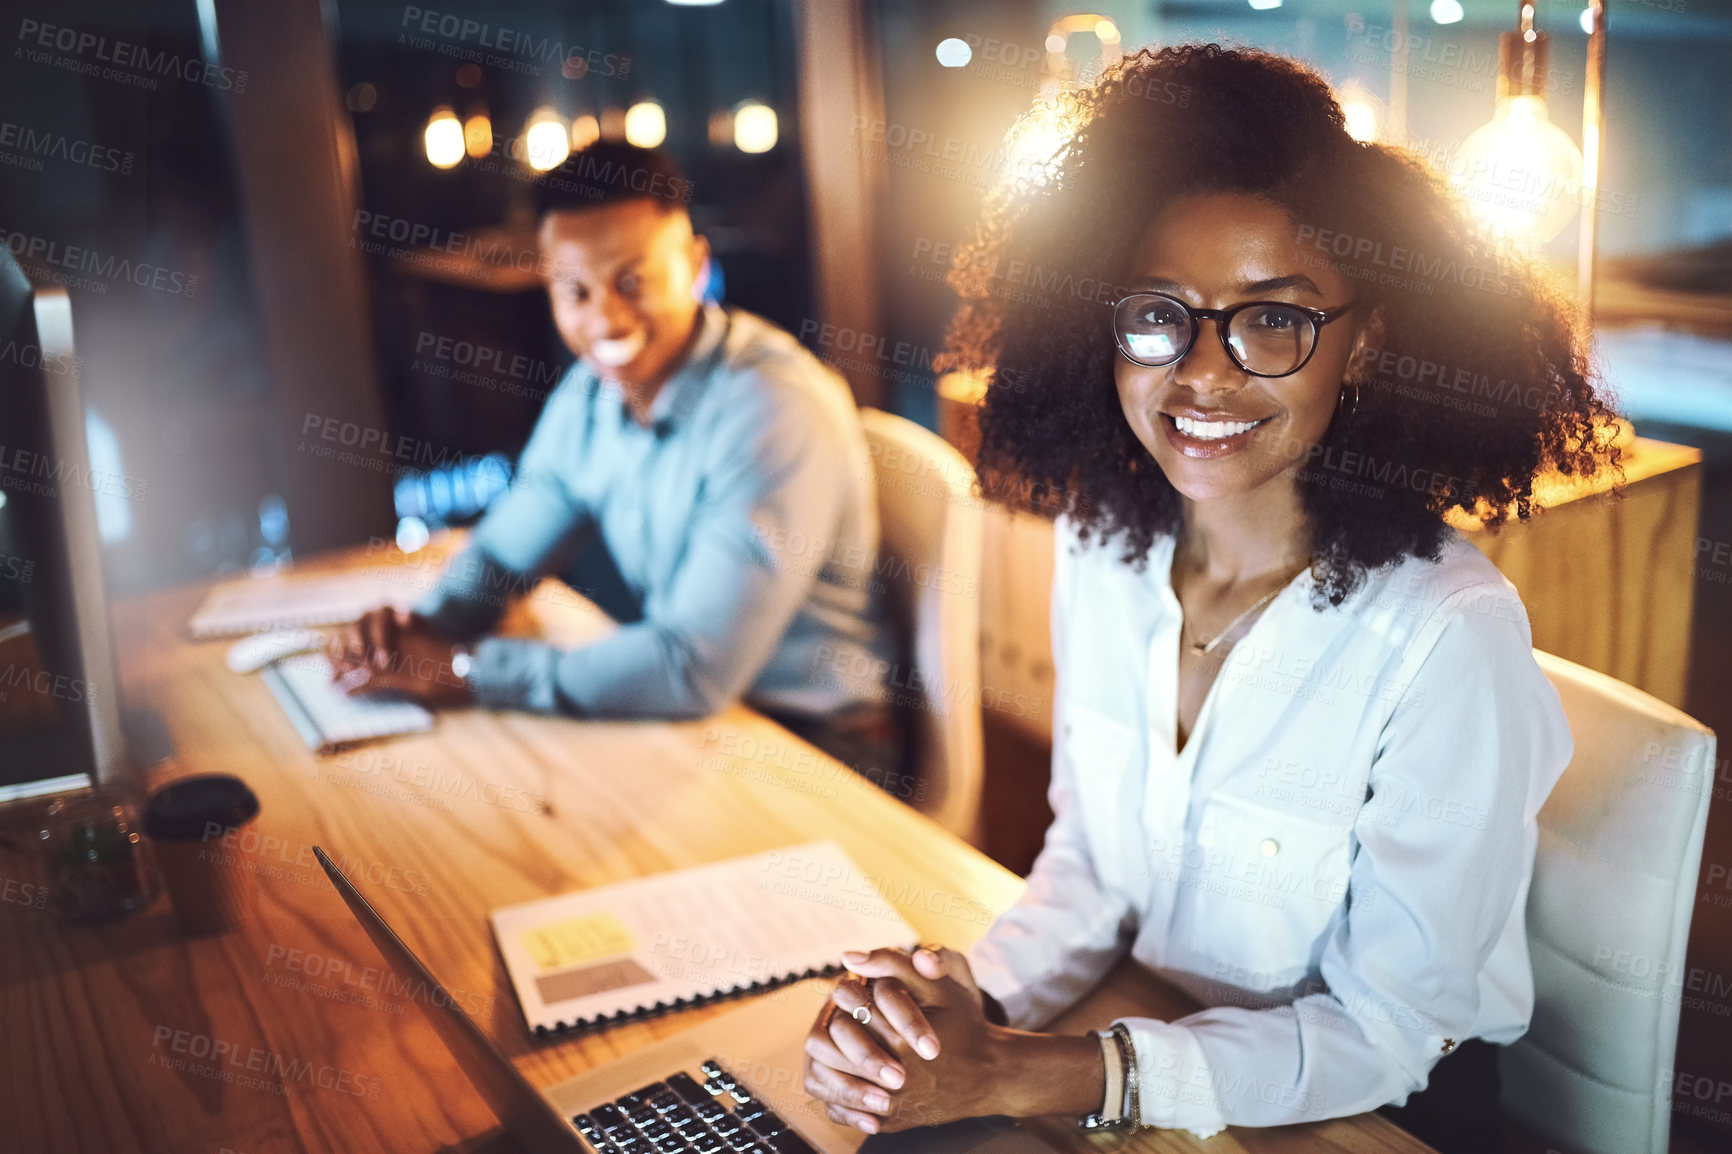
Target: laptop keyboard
(685, 1116)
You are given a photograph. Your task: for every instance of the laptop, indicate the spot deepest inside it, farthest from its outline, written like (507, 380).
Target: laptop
(732, 1085)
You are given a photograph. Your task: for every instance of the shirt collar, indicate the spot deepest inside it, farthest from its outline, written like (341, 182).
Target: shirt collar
(681, 391)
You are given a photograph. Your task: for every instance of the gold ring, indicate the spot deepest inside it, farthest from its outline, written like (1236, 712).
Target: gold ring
(862, 1015)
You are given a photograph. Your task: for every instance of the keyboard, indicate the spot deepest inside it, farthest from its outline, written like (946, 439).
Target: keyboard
(685, 1116)
(326, 717)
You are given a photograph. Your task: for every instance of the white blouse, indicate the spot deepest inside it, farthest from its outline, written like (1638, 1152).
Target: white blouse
(1336, 865)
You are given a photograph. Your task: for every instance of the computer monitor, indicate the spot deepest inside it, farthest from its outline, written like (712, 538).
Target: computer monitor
(59, 685)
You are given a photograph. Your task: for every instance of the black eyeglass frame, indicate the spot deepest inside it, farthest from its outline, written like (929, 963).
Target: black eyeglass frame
(1223, 319)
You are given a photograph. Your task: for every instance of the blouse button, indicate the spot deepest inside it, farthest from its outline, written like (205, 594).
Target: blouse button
(1270, 847)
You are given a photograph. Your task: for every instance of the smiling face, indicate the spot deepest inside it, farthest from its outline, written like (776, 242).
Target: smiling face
(1215, 430)
(621, 281)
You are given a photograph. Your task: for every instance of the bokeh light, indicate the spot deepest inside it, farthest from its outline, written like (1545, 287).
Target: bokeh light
(754, 127)
(646, 125)
(954, 53)
(443, 139)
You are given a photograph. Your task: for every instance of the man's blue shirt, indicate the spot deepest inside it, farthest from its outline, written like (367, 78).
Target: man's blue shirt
(743, 517)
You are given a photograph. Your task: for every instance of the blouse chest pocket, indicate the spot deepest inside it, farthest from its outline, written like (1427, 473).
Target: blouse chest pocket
(1269, 884)
(1100, 750)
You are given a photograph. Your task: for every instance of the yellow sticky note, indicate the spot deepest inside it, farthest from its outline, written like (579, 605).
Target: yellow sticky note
(577, 940)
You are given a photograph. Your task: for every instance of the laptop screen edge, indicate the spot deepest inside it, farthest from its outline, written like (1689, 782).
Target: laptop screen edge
(520, 1107)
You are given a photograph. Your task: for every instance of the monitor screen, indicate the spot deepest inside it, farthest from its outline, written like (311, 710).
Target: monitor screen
(59, 690)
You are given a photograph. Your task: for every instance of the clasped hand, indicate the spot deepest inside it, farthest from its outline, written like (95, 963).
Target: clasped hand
(925, 1052)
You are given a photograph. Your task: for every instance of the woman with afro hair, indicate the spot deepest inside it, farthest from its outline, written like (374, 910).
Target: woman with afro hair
(1300, 738)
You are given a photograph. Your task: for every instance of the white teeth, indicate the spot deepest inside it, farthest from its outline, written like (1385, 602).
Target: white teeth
(613, 353)
(1213, 430)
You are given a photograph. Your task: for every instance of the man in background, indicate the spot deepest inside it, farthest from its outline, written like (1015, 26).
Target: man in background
(697, 473)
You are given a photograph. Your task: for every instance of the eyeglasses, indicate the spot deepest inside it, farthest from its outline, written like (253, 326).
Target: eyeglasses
(1264, 338)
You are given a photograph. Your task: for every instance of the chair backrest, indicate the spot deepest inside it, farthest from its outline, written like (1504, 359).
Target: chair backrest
(930, 532)
(1607, 918)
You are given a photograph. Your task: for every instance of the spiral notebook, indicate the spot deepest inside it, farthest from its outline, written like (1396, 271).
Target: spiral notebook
(626, 951)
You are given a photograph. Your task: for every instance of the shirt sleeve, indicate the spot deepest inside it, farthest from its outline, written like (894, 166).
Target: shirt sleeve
(523, 533)
(1444, 856)
(1069, 928)
(777, 470)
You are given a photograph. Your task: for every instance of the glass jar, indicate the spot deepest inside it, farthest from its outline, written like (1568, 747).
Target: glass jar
(99, 868)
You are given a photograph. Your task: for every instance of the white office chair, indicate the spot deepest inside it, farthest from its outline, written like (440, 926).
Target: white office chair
(1608, 915)
(930, 530)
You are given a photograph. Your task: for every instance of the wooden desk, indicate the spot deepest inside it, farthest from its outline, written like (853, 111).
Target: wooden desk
(438, 829)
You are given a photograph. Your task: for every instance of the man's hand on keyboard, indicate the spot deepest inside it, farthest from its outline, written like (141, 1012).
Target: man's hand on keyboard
(393, 649)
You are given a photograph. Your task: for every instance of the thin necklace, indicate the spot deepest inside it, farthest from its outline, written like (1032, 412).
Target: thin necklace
(1203, 649)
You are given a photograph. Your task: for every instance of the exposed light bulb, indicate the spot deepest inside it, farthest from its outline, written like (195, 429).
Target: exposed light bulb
(1520, 173)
